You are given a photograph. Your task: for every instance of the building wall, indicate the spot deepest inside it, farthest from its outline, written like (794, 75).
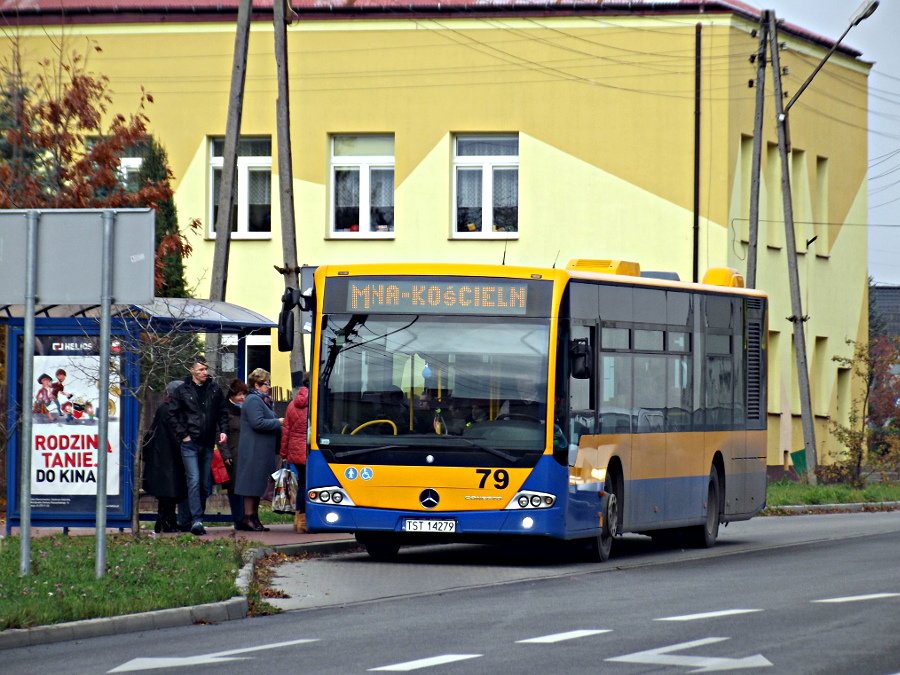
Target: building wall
(604, 110)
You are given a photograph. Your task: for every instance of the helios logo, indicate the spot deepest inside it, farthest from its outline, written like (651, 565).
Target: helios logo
(71, 346)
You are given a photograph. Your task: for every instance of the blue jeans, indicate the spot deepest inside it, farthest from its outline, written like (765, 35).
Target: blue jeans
(197, 461)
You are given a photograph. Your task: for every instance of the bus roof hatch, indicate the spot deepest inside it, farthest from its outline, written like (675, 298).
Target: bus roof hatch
(631, 269)
(723, 276)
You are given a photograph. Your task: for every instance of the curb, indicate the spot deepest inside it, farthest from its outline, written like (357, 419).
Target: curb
(212, 612)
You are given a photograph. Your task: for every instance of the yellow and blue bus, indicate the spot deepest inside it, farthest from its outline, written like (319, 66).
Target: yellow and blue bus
(476, 403)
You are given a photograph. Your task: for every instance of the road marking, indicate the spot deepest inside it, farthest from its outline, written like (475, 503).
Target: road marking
(856, 598)
(182, 661)
(427, 663)
(702, 664)
(559, 637)
(708, 615)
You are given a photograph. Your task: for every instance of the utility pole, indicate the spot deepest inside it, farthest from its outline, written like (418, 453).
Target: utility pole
(225, 215)
(797, 317)
(695, 272)
(753, 248)
(864, 11)
(286, 183)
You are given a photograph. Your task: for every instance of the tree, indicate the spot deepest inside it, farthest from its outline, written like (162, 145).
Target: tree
(171, 246)
(56, 153)
(877, 323)
(872, 433)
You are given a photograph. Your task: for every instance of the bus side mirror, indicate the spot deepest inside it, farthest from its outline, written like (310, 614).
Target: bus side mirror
(286, 319)
(581, 362)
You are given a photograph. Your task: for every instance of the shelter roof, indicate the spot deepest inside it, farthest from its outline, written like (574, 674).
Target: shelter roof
(182, 314)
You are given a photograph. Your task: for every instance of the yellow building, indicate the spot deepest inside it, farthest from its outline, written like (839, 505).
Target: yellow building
(505, 131)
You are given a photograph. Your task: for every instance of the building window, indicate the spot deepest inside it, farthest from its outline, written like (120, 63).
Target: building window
(486, 177)
(130, 161)
(131, 158)
(362, 186)
(252, 216)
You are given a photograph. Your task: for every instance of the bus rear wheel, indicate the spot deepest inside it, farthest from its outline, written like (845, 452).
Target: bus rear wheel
(704, 536)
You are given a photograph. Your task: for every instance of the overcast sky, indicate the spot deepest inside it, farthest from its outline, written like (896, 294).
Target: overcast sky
(878, 40)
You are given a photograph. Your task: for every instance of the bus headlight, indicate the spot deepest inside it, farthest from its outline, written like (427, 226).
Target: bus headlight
(329, 495)
(529, 499)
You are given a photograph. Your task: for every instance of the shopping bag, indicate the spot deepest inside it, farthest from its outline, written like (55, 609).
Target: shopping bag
(284, 498)
(219, 470)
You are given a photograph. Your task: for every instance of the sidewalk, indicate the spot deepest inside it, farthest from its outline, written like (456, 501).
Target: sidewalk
(280, 536)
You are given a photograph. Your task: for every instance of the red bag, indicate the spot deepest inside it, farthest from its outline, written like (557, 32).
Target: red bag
(219, 472)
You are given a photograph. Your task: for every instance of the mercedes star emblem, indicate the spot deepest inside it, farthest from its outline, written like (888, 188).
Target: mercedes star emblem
(429, 498)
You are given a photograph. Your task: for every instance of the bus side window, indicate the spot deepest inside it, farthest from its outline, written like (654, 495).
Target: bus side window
(650, 392)
(616, 412)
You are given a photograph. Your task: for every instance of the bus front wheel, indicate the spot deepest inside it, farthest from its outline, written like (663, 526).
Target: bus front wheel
(704, 536)
(380, 548)
(600, 546)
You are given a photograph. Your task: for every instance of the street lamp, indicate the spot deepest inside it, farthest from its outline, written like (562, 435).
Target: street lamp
(864, 11)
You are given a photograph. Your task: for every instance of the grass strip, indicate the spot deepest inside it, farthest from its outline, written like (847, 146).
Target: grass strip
(789, 493)
(142, 574)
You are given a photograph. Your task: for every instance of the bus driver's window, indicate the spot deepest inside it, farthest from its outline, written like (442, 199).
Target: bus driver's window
(581, 402)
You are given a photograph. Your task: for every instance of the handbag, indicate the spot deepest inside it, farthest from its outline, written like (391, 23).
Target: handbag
(284, 497)
(219, 470)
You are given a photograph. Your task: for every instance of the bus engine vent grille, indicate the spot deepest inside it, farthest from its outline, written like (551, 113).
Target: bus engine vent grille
(754, 371)
(755, 303)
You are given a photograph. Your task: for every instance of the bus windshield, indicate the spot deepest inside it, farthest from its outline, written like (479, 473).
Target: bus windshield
(400, 382)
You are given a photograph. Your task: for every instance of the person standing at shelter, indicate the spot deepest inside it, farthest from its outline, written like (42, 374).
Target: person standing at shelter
(200, 419)
(237, 392)
(163, 467)
(293, 446)
(259, 446)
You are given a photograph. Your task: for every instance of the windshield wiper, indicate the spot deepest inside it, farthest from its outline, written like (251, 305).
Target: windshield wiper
(494, 451)
(365, 451)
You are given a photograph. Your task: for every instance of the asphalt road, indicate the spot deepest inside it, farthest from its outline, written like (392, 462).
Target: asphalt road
(806, 594)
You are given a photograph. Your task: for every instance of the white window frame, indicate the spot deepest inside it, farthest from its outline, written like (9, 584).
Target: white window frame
(487, 164)
(245, 164)
(129, 166)
(364, 164)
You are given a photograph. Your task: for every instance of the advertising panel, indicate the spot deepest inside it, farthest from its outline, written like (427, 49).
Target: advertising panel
(64, 438)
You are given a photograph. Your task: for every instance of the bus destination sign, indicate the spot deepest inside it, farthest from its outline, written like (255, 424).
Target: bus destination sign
(424, 295)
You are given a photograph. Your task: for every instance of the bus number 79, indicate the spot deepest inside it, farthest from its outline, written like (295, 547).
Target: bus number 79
(500, 476)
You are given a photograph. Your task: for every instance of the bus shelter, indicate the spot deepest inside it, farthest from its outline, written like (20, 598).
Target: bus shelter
(64, 410)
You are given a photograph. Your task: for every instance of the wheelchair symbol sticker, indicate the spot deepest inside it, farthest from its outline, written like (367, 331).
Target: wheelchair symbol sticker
(366, 474)
(350, 473)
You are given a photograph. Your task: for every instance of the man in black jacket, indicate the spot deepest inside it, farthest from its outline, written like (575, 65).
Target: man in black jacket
(199, 416)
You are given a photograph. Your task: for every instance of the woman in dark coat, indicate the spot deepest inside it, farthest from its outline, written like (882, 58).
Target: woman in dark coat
(237, 392)
(260, 440)
(163, 470)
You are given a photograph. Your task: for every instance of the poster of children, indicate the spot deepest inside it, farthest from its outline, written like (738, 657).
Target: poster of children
(65, 427)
